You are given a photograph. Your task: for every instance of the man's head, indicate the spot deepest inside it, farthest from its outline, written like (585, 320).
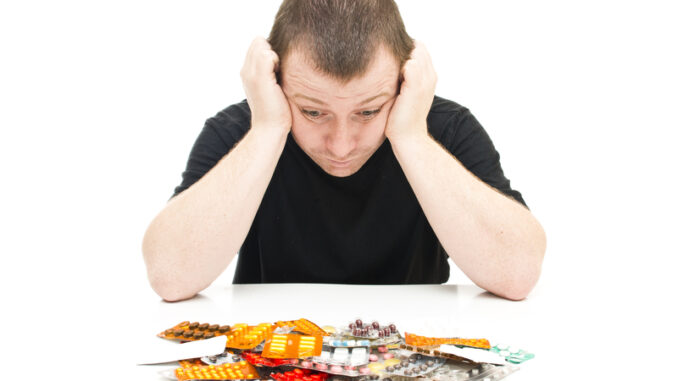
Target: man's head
(340, 65)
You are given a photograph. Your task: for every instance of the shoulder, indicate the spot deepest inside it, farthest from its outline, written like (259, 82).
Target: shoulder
(445, 118)
(451, 123)
(234, 120)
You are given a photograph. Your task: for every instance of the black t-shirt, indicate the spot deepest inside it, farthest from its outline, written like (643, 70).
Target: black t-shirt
(367, 228)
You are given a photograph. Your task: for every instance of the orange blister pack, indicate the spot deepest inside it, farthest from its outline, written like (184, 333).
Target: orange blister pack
(241, 370)
(291, 345)
(243, 336)
(422, 341)
(187, 331)
(304, 326)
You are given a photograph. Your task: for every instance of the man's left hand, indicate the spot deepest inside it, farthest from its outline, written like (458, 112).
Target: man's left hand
(408, 114)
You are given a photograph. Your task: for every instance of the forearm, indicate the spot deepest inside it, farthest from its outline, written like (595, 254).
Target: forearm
(198, 233)
(493, 239)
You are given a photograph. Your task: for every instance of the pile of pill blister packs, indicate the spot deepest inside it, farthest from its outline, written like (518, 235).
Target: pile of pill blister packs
(358, 350)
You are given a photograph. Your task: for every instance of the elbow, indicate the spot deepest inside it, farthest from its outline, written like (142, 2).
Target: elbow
(168, 290)
(165, 282)
(515, 288)
(523, 277)
(515, 292)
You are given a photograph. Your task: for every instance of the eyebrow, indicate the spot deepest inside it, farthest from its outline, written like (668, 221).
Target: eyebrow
(315, 100)
(318, 101)
(370, 99)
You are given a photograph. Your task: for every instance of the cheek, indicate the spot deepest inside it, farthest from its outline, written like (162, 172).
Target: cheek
(307, 134)
(374, 132)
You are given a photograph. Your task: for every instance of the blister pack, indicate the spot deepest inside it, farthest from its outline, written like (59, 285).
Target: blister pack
(373, 330)
(453, 371)
(243, 336)
(222, 358)
(286, 346)
(340, 361)
(351, 362)
(231, 371)
(413, 365)
(304, 326)
(258, 361)
(300, 375)
(375, 333)
(338, 342)
(422, 341)
(513, 355)
(187, 331)
(433, 352)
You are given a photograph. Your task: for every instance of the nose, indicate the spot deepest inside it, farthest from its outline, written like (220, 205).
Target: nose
(339, 142)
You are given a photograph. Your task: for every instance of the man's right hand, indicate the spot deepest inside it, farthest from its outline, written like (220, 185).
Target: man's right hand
(266, 99)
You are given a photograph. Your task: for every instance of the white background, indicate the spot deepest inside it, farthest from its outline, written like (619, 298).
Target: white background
(100, 103)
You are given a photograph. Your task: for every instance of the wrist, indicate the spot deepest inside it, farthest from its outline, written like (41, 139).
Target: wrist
(268, 135)
(410, 137)
(411, 144)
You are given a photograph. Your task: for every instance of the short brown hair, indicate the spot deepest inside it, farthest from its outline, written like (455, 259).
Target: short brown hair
(341, 36)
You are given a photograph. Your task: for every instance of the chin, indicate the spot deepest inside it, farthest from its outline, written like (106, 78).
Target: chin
(340, 172)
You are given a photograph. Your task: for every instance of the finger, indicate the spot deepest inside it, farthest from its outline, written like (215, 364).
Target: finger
(276, 62)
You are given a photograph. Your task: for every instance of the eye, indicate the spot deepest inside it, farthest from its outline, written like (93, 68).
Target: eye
(368, 114)
(313, 114)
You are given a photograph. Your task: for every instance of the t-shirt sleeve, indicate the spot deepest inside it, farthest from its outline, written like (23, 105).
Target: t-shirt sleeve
(219, 135)
(467, 140)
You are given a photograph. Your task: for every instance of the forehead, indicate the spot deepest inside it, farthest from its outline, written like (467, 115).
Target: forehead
(300, 76)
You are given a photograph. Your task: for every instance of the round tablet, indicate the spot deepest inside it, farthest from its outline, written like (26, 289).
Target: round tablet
(321, 366)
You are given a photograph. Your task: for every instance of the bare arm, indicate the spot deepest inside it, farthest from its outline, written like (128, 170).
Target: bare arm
(192, 240)
(493, 239)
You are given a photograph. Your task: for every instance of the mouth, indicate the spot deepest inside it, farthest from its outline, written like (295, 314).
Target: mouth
(340, 164)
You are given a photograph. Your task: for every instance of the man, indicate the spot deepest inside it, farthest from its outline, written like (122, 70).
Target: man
(342, 167)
